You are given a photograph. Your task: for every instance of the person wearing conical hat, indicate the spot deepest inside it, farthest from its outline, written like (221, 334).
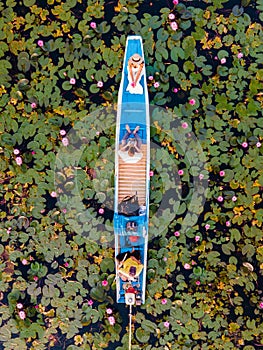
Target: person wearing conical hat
(135, 66)
(129, 265)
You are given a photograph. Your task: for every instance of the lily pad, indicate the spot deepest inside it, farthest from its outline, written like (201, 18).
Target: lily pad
(238, 10)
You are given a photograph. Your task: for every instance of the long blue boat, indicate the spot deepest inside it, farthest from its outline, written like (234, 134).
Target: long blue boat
(132, 159)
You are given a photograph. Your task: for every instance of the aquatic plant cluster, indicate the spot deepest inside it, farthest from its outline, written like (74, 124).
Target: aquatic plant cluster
(60, 62)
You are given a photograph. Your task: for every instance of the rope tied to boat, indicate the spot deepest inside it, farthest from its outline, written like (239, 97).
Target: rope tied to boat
(130, 328)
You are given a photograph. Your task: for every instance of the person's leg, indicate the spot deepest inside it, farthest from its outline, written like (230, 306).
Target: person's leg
(126, 135)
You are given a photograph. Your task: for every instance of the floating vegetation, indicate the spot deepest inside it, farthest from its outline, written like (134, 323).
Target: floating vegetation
(60, 65)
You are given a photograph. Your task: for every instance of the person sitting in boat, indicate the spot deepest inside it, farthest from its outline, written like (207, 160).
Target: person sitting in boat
(131, 226)
(135, 66)
(130, 149)
(129, 265)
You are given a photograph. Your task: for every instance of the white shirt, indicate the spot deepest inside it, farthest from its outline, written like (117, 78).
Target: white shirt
(128, 159)
(137, 89)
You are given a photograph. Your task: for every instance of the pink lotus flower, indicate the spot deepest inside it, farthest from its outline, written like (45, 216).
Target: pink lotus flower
(22, 315)
(16, 151)
(220, 199)
(65, 141)
(174, 26)
(53, 194)
(166, 324)
(177, 233)
(150, 77)
(244, 144)
(19, 161)
(197, 238)
(104, 283)
(64, 211)
(101, 211)
(19, 305)
(33, 105)
(111, 320)
(201, 176)
(109, 311)
(66, 264)
(234, 198)
(33, 152)
(180, 172)
(164, 301)
(261, 305)
(184, 125)
(223, 60)
(175, 90)
(222, 173)
(198, 283)
(151, 173)
(72, 81)
(62, 132)
(207, 226)
(240, 55)
(40, 43)
(93, 25)
(100, 84)
(187, 266)
(35, 278)
(24, 262)
(171, 16)
(175, 2)
(156, 84)
(90, 302)
(192, 101)
(258, 144)
(228, 223)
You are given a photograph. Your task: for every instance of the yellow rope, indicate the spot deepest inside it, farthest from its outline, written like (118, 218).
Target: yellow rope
(130, 328)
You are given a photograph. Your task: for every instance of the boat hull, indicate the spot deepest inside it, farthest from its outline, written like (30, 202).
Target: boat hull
(131, 205)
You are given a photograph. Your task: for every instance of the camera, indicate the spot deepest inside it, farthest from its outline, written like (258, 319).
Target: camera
(131, 142)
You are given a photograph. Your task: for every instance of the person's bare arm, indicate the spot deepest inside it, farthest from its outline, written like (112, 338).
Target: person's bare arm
(124, 148)
(134, 259)
(137, 149)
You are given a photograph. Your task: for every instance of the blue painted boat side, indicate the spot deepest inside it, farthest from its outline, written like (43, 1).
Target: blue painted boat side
(133, 109)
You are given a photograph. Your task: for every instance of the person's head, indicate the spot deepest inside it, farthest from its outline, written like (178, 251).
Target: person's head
(136, 60)
(131, 226)
(132, 271)
(131, 151)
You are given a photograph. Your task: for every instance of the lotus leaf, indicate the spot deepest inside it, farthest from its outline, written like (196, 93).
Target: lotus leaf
(56, 247)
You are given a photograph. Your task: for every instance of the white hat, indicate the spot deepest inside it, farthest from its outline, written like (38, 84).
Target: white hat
(136, 58)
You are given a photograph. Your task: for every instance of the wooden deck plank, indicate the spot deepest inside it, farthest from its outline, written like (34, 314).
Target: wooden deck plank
(132, 178)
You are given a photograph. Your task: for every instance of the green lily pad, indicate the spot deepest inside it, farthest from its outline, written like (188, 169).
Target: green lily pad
(29, 3)
(142, 335)
(237, 11)
(98, 293)
(23, 85)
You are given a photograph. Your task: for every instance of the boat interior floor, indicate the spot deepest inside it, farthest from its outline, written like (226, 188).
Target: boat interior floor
(132, 178)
